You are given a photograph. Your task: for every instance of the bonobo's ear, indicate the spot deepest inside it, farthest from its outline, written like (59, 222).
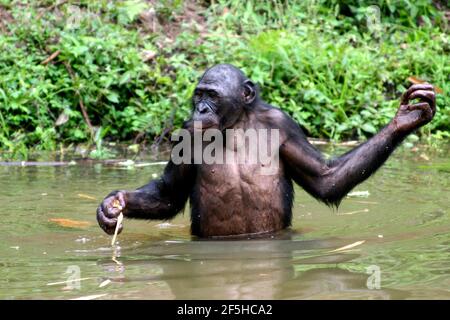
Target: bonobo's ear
(249, 92)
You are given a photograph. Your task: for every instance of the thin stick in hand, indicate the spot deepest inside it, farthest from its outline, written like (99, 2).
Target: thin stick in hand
(119, 221)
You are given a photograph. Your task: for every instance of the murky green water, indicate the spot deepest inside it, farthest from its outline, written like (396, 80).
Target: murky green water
(402, 229)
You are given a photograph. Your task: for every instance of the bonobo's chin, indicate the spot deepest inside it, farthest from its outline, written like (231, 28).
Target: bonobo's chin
(203, 125)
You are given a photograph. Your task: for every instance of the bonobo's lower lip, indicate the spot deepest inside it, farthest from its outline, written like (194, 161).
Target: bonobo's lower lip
(204, 127)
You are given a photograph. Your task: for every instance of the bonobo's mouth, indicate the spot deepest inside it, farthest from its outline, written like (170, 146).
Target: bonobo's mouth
(199, 125)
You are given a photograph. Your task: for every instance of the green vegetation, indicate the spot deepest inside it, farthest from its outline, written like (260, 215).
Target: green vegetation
(338, 67)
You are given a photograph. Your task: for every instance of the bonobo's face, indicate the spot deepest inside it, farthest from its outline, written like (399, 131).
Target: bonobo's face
(220, 97)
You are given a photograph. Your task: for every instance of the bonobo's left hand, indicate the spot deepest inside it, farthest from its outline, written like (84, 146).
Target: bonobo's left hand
(412, 116)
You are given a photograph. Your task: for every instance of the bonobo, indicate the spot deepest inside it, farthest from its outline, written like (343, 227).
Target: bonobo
(233, 197)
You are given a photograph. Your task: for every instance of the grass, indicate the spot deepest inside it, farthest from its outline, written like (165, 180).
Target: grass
(337, 67)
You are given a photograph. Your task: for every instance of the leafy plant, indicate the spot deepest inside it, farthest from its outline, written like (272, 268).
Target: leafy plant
(68, 69)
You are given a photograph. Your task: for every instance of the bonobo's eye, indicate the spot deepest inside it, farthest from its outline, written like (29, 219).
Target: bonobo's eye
(213, 94)
(208, 94)
(197, 94)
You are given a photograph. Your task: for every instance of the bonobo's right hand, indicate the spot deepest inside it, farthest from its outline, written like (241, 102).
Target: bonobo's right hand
(108, 211)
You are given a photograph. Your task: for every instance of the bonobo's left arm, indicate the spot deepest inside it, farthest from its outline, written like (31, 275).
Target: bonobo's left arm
(329, 181)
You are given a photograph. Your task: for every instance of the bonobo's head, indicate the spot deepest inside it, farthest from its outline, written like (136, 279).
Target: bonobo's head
(221, 96)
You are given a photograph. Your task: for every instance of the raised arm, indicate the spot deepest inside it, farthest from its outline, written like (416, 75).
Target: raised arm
(160, 199)
(330, 180)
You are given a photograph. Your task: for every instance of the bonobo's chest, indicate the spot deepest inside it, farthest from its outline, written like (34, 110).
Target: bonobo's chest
(239, 196)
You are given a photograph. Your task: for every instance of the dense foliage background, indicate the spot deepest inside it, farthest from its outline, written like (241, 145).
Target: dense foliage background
(338, 67)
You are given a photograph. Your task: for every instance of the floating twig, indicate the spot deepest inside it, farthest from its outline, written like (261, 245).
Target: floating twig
(66, 281)
(350, 246)
(86, 196)
(117, 205)
(356, 211)
(91, 297)
(104, 283)
(34, 163)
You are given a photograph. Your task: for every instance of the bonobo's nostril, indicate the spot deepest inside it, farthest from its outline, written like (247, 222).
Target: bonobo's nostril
(202, 107)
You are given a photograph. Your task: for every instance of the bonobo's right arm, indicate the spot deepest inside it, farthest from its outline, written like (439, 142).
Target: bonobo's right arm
(160, 199)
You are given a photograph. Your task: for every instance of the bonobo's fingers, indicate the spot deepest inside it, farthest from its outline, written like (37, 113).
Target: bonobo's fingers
(427, 112)
(109, 210)
(109, 207)
(427, 96)
(121, 198)
(415, 87)
(108, 225)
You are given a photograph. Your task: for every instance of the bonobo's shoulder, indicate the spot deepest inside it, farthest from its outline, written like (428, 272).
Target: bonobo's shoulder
(277, 118)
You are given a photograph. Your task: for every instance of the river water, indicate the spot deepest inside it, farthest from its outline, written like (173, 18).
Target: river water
(390, 240)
